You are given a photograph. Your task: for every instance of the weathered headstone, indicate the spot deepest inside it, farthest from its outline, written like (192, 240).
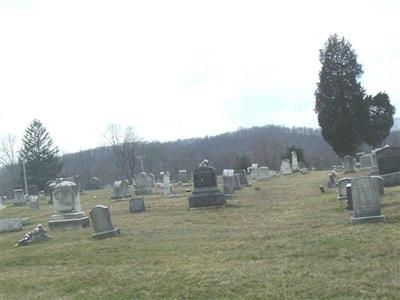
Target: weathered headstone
(10, 224)
(34, 202)
(67, 207)
(19, 197)
(380, 184)
(183, 176)
(120, 189)
(348, 162)
(295, 165)
(243, 179)
(366, 162)
(206, 192)
(285, 167)
(254, 171)
(136, 205)
(229, 186)
(236, 182)
(263, 173)
(365, 196)
(342, 187)
(143, 184)
(166, 190)
(388, 163)
(166, 178)
(101, 221)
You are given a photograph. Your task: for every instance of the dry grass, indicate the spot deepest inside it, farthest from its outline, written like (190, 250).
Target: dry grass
(286, 241)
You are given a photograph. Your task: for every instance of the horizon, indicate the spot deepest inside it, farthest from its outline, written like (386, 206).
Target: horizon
(180, 70)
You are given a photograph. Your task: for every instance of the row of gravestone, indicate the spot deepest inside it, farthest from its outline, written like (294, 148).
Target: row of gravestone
(362, 196)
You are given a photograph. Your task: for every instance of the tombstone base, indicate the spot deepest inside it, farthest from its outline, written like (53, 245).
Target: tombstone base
(391, 179)
(372, 219)
(106, 234)
(230, 196)
(69, 221)
(207, 200)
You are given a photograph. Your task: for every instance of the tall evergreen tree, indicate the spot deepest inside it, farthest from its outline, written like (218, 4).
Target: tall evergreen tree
(378, 119)
(42, 161)
(339, 96)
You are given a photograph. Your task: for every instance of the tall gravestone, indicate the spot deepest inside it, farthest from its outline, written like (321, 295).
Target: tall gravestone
(342, 187)
(243, 179)
(19, 197)
(285, 167)
(205, 189)
(228, 185)
(388, 163)
(365, 196)
(143, 184)
(295, 164)
(366, 162)
(254, 171)
(166, 178)
(348, 163)
(67, 207)
(101, 221)
(236, 180)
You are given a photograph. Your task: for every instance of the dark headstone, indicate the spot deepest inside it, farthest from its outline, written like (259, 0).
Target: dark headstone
(101, 221)
(206, 192)
(136, 205)
(388, 161)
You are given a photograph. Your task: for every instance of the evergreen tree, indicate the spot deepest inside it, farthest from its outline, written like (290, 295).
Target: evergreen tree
(339, 96)
(242, 163)
(378, 119)
(42, 162)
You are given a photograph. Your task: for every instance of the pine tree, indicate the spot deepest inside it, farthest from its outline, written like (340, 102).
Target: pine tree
(42, 161)
(339, 96)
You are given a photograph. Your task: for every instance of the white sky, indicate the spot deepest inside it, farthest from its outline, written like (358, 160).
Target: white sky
(178, 69)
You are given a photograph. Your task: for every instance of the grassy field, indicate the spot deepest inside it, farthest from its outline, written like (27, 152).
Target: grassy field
(286, 241)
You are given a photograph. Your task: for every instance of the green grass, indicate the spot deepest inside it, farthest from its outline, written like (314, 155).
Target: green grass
(286, 241)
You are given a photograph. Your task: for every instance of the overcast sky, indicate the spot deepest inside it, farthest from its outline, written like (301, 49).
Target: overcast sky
(178, 69)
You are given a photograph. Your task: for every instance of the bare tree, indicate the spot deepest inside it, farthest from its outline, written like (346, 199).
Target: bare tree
(124, 144)
(9, 161)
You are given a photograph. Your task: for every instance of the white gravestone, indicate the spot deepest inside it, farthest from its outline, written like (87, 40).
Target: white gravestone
(285, 167)
(295, 164)
(166, 178)
(253, 171)
(101, 221)
(365, 196)
(263, 173)
(348, 163)
(67, 207)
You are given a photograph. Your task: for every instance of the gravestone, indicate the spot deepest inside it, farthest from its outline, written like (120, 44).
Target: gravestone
(166, 190)
(166, 178)
(143, 184)
(67, 207)
(388, 165)
(236, 182)
(228, 172)
(183, 176)
(120, 189)
(41, 196)
(229, 190)
(349, 197)
(348, 163)
(254, 171)
(285, 167)
(101, 221)
(380, 184)
(365, 196)
(136, 205)
(342, 187)
(10, 224)
(34, 202)
(366, 162)
(243, 179)
(205, 190)
(295, 165)
(263, 174)
(19, 197)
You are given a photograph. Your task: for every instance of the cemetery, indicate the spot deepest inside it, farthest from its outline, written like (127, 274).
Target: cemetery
(271, 233)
